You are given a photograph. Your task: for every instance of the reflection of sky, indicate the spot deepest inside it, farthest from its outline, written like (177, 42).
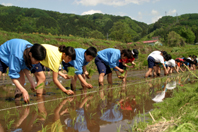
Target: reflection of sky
(160, 96)
(80, 123)
(17, 130)
(113, 114)
(171, 85)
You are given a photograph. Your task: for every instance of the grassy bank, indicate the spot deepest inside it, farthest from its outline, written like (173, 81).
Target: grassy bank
(176, 114)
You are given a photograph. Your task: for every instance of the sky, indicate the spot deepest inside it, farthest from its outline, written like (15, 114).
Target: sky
(147, 11)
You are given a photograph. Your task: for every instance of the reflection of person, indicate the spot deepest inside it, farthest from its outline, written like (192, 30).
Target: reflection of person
(39, 116)
(107, 59)
(112, 114)
(57, 126)
(83, 57)
(123, 64)
(80, 122)
(54, 56)
(19, 55)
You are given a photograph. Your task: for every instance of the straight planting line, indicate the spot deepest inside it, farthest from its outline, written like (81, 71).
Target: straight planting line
(76, 95)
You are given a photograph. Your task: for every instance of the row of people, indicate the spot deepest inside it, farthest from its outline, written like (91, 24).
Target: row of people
(158, 59)
(21, 56)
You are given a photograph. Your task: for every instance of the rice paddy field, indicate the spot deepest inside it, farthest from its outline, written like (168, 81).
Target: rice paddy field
(166, 103)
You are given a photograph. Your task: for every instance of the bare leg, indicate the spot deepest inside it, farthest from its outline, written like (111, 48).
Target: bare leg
(40, 78)
(109, 79)
(73, 83)
(101, 79)
(148, 72)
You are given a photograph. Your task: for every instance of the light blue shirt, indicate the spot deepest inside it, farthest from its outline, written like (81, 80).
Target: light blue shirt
(11, 53)
(110, 56)
(80, 61)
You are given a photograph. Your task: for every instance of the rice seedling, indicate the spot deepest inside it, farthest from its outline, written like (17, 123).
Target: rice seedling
(119, 129)
(44, 129)
(10, 124)
(71, 72)
(40, 86)
(91, 72)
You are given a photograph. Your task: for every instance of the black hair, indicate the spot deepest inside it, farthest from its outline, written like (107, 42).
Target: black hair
(127, 53)
(167, 57)
(38, 53)
(68, 51)
(164, 52)
(91, 51)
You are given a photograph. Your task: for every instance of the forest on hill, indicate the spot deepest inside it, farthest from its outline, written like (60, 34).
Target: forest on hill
(184, 28)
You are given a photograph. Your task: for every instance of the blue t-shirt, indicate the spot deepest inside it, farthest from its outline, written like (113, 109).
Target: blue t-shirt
(80, 61)
(110, 56)
(11, 53)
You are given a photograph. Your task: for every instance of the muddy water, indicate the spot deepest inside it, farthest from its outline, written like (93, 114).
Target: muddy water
(98, 109)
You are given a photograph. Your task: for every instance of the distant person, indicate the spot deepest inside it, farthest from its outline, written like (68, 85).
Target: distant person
(107, 59)
(155, 58)
(20, 55)
(123, 64)
(171, 65)
(83, 57)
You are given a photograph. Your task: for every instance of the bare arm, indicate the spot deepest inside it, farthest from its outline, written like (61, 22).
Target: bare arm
(65, 76)
(85, 71)
(176, 69)
(59, 85)
(29, 78)
(83, 81)
(120, 70)
(165, 70)
(22, 89)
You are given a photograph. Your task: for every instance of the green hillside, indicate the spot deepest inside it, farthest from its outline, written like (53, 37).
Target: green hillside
(16, 19)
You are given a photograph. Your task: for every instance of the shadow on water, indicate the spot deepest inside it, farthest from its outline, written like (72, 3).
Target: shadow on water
(94, 110)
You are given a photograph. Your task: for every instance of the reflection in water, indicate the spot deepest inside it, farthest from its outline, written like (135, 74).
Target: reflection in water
(90, 112)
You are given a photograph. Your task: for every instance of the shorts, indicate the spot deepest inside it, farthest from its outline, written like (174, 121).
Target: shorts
(121, 66)
(151, 62)
(66, 65)
(37, 68)
(3, 67)
(101, 66)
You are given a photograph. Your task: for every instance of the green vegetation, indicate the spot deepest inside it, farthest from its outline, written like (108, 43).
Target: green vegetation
(91, 72)
(71, 71)
(176, 114)
(16, 19)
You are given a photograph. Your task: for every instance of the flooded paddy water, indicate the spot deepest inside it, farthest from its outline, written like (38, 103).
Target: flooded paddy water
(107, 109)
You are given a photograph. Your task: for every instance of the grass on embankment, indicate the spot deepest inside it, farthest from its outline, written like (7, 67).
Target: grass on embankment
(176, 114)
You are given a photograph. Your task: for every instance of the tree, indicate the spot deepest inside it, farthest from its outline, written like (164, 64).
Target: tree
(187, 34)
(175, 39)
(122, 32)
(96, 34)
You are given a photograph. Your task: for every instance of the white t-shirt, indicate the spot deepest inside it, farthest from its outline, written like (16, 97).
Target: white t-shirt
(60, 67)
(171, 63)
(189, 58)
(156, 55)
